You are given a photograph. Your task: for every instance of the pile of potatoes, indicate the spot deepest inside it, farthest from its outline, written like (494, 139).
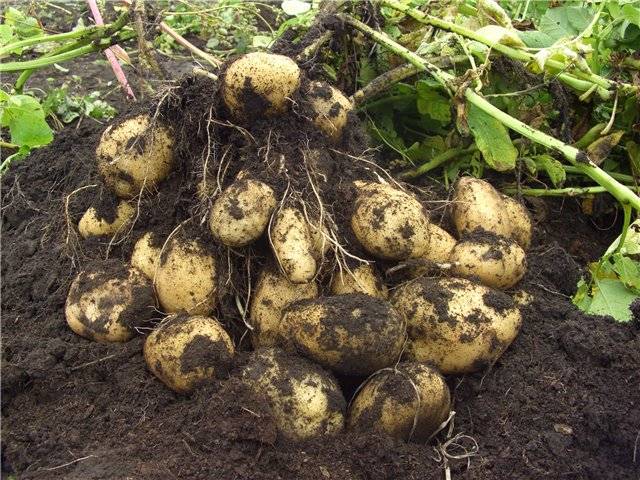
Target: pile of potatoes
(308, 327)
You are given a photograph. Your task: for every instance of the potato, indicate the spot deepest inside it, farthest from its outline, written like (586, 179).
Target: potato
(273, 293)
(389, 223)
(305, 399)
(185, 280)
(106, 304)
(186, 351)
(145, 255)
(455, 324)
(330, 109)
(92, 226)
(259, 84)
(242, 212)
(441, 244)
(391, 400)
(293, 245)
(477, 205)
(352, 334)
(132, 155)
(496, 261)
(320, 241)
(361, 279)
(521, 226)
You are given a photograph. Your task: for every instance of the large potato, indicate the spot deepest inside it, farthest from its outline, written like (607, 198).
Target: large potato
(293, 245)
(496, 261)
(185, 351)
(455, 324)
(107, 304)
(478, 206)
(91, 225)
(186, 278)
(409, 402)
(521, 226)
(389, 223)
(305, 399)
(352, 334)
(330, 109)
(259, 84)
(132, 155)
(361, 279)
(441, 244)
(273, 293)
(146, 254)
(242, 212)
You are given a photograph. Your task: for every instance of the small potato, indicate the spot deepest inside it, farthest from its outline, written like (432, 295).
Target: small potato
(186, 278)
(92, 226)
(293, 245)
(497, 262)
(478, 206)
(361, 279)
(441, 244)
(107, 304)
(352, 334)
(242, 212)
(521, 226)
(455, 324)
(390, 223)
(259, 84)
(186, 351)
(331, 109)
(273, 293)
(145, 255)
(306, 400)
(392, 399)
(131, 155)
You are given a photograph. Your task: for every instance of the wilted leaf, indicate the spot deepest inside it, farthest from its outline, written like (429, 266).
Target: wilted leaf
(601, 148)
(492, 139)
(295, 7)
(497, 34)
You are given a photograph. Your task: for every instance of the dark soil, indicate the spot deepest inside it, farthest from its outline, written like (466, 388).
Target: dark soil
(562, 402)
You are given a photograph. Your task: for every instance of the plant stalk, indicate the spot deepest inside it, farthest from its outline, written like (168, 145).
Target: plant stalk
(560, 192)
(436, 161)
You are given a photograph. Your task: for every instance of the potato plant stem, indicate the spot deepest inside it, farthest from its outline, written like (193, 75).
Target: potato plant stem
(576, 157)
(622, 177)
(559, 192)
(438, 160)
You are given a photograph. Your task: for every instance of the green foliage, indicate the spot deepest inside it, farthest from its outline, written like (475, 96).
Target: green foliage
(17, 26)
(492, 138)
(67, 106)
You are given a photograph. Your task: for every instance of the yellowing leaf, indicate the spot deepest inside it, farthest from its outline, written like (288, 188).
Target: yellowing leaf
(492, 139)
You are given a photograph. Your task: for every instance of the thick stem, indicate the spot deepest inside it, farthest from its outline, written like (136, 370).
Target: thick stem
(618, 176)
(436, 161)
(8, 145)
(560, 192)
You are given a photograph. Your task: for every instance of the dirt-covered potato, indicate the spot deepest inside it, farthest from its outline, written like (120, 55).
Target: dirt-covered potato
(293, 245)
(393, 399)
(477, 205)
(361, 279)
(260, 83)
(330, 108)
(146, 253)
(273, 293)
(457, 325)
(131, 155)
(521, 226)
(305, 399)
(320, 240)
(242, 212)
(441, 244)
(389, 223)
(91, 225)
(106, 304)
(496, 261)
(353, 334)
(186, 278)
(185, 351)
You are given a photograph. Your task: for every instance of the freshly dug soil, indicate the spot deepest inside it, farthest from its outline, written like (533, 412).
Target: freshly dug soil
(562, 402)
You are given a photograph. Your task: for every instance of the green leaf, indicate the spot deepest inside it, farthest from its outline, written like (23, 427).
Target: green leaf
(23, 25)
(492, 139)
(552, 167)
(565, 21)
(25, 118)
(628, 270)
(612, 298)
(631, 14)
(536, 39)
(433, 104)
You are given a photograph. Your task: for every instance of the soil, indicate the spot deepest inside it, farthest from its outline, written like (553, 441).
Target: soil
(562, 402)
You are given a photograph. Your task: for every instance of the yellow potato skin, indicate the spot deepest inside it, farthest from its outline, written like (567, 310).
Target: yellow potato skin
(441, 244)
(241, 214)
(362, 279)
(105, 308)
(306, 400)
(331, 109)
(521, 225)
(92, 226)
(351, 334)
(185, 280)
(145, 255)
(392, 399)
(455, 324)
(500, 264)
(477, 205)
(389, 223)
(293, 245)
(270, 77)
(169, 351)
(273, 294)
(131, 155)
